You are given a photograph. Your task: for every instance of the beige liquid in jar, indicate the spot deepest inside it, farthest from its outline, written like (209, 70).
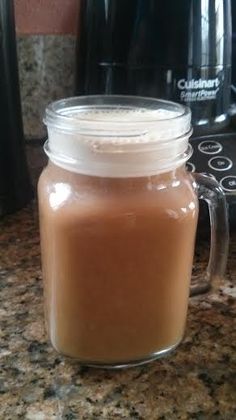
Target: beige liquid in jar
(117, 258)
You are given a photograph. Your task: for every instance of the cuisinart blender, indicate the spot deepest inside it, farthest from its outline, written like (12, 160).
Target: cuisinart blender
(179, 51)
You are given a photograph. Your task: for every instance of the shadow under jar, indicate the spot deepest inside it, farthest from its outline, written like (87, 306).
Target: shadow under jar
(118, 217)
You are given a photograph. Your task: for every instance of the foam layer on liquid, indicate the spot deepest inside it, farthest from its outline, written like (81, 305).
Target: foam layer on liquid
(121, 114)
(128, 124)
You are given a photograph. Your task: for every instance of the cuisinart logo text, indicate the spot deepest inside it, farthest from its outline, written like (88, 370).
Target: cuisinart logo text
(198, 89)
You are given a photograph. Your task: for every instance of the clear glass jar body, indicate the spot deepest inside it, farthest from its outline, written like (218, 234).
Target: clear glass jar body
(118, 217)
(117, 261)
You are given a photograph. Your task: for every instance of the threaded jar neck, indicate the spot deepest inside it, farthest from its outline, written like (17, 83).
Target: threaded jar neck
(117, 136)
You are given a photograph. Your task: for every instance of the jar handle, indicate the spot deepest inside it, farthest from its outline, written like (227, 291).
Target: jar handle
(210, 191)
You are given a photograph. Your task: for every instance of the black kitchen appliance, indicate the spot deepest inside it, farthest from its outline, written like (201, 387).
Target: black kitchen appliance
(216, 155)
(233, 81)
(177, 50)
(15, 187)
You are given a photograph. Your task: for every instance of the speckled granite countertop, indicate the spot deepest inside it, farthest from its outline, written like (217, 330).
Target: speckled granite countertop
(197, 382)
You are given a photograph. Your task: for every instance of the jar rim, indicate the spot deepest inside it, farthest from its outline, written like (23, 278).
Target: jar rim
(61, 114)
(139, 142)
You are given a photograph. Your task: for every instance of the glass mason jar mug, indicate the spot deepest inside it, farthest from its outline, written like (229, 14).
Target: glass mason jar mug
(118, 217)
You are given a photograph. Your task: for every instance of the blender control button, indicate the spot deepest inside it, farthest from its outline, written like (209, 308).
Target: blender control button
(228, 183)
(190, 167)
(210, 147)
(220, 163)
